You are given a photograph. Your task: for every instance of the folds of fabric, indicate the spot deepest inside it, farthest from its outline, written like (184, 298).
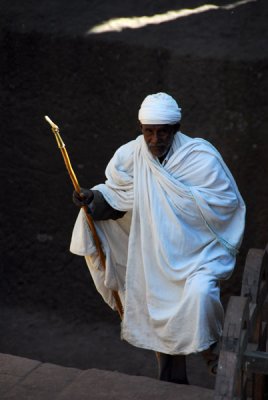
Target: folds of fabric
(187, 223)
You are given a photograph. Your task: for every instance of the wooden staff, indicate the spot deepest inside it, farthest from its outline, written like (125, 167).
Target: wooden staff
(61, 145)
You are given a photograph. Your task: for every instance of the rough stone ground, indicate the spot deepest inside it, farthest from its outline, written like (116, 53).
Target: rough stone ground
(214, 63)
(24, 379)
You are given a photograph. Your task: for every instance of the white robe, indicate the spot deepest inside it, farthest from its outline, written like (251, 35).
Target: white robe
(184, 224)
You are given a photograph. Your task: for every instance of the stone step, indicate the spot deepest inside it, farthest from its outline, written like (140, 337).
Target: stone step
(24, 379)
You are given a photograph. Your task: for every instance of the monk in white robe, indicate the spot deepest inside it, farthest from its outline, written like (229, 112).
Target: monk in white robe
(171, 220)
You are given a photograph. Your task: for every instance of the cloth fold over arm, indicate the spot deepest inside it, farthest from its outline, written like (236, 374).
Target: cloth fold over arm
(101, 210)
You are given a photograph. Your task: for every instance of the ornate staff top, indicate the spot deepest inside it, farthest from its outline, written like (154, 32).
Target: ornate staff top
(61, 145)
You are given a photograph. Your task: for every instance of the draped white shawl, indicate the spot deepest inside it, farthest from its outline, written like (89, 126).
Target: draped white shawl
(187, 218)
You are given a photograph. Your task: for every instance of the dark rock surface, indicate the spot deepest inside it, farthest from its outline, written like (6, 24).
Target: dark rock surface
(214, 63)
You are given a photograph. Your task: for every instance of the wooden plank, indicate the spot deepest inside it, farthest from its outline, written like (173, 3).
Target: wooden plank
(225, 381)
(229, 377)
(237, 314)
(252, 274)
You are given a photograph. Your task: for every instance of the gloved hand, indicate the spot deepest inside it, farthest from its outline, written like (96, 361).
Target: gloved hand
(84, 198)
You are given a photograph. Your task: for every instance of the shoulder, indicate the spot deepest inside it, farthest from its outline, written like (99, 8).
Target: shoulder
(124, 154)
(198, 160)
(187, 148)
(127, 149)
(122, 159)
(197, 145)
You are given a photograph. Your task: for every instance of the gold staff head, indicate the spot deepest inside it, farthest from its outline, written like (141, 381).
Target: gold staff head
(56, 132)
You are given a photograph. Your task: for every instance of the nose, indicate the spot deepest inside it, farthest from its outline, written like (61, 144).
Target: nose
(155, 138)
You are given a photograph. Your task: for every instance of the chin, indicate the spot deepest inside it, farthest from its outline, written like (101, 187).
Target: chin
(158, 154)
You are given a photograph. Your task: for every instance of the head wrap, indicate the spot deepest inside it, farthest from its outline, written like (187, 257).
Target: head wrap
(158, 109)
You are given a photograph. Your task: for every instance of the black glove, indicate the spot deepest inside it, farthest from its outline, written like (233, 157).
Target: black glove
(84, 198)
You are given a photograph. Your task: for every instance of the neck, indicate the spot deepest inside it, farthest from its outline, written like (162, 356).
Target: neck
(161, 159)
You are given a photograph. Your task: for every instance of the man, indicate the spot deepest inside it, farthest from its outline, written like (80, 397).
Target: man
(171, 220)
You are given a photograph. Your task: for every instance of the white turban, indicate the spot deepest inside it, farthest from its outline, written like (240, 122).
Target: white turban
(158, 109)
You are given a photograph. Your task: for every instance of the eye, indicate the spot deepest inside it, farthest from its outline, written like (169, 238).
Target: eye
(147, 131)
(163, 133)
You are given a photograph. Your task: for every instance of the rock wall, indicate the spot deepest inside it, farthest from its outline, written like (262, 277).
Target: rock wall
(92, 90)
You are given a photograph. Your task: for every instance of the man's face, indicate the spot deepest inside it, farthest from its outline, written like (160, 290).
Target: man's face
(159, 137)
